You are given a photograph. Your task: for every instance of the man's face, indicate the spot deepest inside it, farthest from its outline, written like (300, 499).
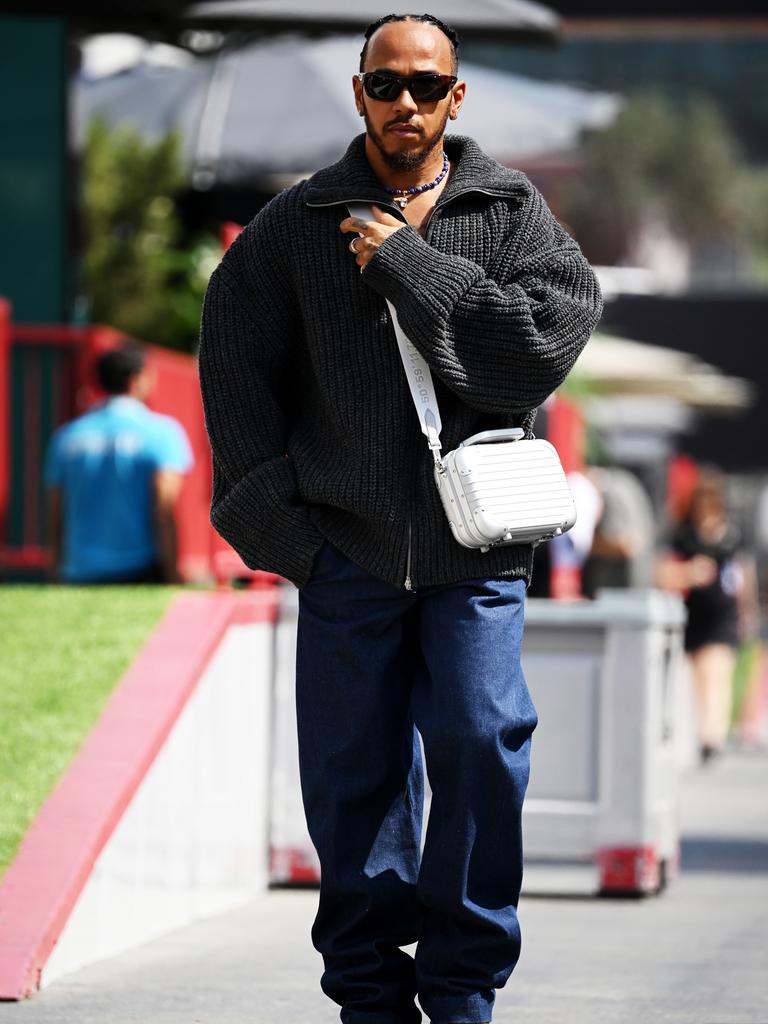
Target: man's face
(404, 131)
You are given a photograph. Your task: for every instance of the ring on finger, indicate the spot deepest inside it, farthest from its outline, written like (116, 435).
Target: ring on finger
(352, 245)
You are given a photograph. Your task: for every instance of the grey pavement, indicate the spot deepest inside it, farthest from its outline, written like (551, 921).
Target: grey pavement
(694, 955)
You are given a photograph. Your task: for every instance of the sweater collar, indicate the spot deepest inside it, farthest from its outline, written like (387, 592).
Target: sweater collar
(352, 176)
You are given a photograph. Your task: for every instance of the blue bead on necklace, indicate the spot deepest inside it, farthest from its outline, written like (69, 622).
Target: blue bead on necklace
(402, 195)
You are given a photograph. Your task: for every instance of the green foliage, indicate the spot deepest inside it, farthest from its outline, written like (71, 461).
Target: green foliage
(577, 387)
(52, 692)
(679, 161)
(139, 274)
(703, 184)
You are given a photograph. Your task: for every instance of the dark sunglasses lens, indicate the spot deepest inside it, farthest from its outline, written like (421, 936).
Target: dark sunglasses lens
(380, 87)
(430, 87)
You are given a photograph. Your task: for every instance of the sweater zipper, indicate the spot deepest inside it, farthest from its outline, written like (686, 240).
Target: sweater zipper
(407, 584)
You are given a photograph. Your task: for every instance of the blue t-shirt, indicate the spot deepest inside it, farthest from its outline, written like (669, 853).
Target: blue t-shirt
(104, 463)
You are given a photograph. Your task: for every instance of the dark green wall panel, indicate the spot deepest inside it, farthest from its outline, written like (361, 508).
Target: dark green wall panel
(34, 207)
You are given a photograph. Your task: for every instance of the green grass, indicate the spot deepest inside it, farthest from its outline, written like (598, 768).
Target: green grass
(64, 648)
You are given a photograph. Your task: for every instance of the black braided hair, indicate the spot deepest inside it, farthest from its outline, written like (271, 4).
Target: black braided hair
(429, 19)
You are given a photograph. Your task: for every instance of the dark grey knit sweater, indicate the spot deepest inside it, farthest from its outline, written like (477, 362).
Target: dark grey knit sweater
(312, 429)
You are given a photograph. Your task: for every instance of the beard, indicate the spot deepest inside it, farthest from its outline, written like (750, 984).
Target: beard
(407, 159)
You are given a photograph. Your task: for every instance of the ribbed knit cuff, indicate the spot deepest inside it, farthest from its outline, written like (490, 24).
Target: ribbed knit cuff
(405, 268)
(264, 521)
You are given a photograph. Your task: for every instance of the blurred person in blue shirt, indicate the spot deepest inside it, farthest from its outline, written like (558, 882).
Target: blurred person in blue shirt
(113, 477)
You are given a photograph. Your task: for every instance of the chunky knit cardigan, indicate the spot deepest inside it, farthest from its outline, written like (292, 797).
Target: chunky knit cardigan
(311, 424)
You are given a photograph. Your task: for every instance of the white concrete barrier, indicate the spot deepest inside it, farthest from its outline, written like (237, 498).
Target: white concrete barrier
(605, 677)
(292, 856)
(161, 817)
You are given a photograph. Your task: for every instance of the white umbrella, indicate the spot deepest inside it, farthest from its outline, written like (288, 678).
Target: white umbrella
(502, 19)
(617, 366)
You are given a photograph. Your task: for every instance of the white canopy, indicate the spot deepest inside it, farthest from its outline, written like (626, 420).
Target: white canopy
(617, 366)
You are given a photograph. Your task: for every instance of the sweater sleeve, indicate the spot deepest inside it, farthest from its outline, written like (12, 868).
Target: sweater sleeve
(243, 351)
(503, 342)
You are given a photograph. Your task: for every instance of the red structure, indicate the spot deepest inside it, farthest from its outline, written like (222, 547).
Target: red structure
(567, 431)
(46, 379)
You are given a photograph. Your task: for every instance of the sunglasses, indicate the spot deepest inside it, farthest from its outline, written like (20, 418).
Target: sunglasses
(383, 85)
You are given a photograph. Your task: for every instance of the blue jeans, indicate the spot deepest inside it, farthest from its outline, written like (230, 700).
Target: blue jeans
(374, 662)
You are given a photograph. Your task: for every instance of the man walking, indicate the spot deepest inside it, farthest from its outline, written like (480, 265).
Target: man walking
(320, 473)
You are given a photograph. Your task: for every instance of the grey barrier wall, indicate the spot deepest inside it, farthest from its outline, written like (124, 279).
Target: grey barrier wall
(604, 676)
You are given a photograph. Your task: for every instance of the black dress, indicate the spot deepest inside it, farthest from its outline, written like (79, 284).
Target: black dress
(712, 609)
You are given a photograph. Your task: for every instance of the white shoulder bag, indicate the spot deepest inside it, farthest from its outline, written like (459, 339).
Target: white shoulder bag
(497, 487)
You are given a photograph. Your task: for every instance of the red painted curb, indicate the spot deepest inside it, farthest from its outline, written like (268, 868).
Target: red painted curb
(42, 884)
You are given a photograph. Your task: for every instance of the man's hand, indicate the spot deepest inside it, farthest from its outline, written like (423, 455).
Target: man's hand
(373, 232)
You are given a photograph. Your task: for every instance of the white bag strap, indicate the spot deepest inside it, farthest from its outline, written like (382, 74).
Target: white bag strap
(417, 369)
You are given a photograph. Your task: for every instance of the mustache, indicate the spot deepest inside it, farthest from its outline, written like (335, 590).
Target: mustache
(409, 124)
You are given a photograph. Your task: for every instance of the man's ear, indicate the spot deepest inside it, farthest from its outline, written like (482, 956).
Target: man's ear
(356, 88)
(457, 98)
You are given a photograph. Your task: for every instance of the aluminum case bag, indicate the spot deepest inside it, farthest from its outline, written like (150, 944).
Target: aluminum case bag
(500, 491)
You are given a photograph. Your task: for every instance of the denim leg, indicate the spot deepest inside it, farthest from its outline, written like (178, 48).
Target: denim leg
(362, 785)
(476, 717)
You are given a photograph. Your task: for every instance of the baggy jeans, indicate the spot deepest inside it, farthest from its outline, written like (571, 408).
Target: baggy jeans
(375, 662)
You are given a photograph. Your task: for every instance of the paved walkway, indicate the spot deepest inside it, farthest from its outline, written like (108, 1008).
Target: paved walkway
(695, 955)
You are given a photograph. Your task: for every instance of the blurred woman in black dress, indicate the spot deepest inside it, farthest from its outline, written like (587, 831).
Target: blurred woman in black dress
(707, 565)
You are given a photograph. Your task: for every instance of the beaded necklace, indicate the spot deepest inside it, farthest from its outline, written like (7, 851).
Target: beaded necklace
(402, 195)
